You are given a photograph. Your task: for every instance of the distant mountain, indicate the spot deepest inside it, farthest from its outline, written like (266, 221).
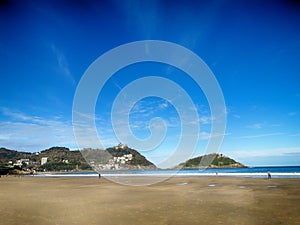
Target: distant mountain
(11, 155)
(58, 158)
(213, 161)
(117, 157)
(63, 159)
(7, 156)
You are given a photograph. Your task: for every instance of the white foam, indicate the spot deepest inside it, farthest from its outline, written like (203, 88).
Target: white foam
(184, 183)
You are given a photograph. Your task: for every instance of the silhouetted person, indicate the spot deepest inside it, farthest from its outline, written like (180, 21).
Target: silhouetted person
(269, 175)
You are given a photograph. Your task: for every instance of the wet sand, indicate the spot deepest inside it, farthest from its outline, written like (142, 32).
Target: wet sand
(203, 200)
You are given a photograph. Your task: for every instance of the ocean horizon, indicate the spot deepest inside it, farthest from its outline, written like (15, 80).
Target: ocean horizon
(252, 172)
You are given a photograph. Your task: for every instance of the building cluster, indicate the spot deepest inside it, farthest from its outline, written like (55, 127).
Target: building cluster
(21, 162)
(113, 164)
(27, 162)
(120, 146)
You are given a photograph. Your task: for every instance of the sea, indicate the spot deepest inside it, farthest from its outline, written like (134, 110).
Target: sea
(253, 172)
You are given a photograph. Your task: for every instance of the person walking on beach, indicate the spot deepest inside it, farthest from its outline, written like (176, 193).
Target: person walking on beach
(269, 175)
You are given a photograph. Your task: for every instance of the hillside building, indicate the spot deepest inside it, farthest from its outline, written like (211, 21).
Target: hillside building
(44, 160)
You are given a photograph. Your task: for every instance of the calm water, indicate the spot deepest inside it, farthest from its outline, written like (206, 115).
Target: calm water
(259, 172)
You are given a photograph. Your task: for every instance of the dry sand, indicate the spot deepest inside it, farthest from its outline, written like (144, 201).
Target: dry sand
(32, 200)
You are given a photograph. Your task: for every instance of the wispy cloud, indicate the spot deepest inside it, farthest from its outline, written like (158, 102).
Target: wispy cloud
(260, 135)
(275, 125)
(33, 133)
(89, 116)
(292, 113)
(255, 126)
(150, 106)
(206, 119)
(250, 153)
(236, 116)
(203, 135)
(144, 17)
(17, 115)
(63, 64)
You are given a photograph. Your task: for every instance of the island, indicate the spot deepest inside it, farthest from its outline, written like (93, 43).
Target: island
(213, 160)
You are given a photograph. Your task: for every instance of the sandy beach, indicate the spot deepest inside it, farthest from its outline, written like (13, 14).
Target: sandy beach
(209, 200)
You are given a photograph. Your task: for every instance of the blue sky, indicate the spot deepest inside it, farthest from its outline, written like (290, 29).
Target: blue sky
(252, 47)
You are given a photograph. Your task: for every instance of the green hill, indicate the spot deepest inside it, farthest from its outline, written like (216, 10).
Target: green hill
(11, 155)
(117, 157)
(211, 160)
(63, 159)
(58, 158)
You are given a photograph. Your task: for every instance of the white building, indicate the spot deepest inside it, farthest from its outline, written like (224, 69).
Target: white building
(44, 160)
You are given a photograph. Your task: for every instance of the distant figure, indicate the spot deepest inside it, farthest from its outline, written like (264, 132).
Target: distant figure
(99, 175)
(269, 175)
(216, 173)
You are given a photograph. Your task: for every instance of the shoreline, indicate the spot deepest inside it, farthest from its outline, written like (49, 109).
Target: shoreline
(168, 173)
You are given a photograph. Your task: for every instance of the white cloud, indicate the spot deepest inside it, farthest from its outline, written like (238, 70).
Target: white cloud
(21, 116)
(260, 135)
(33, 133)
(63, 64)
(252, 153)
(203, 135)
(206, 119)
(150, 106)
(164, 105)
(237, 116)
(255, 126)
